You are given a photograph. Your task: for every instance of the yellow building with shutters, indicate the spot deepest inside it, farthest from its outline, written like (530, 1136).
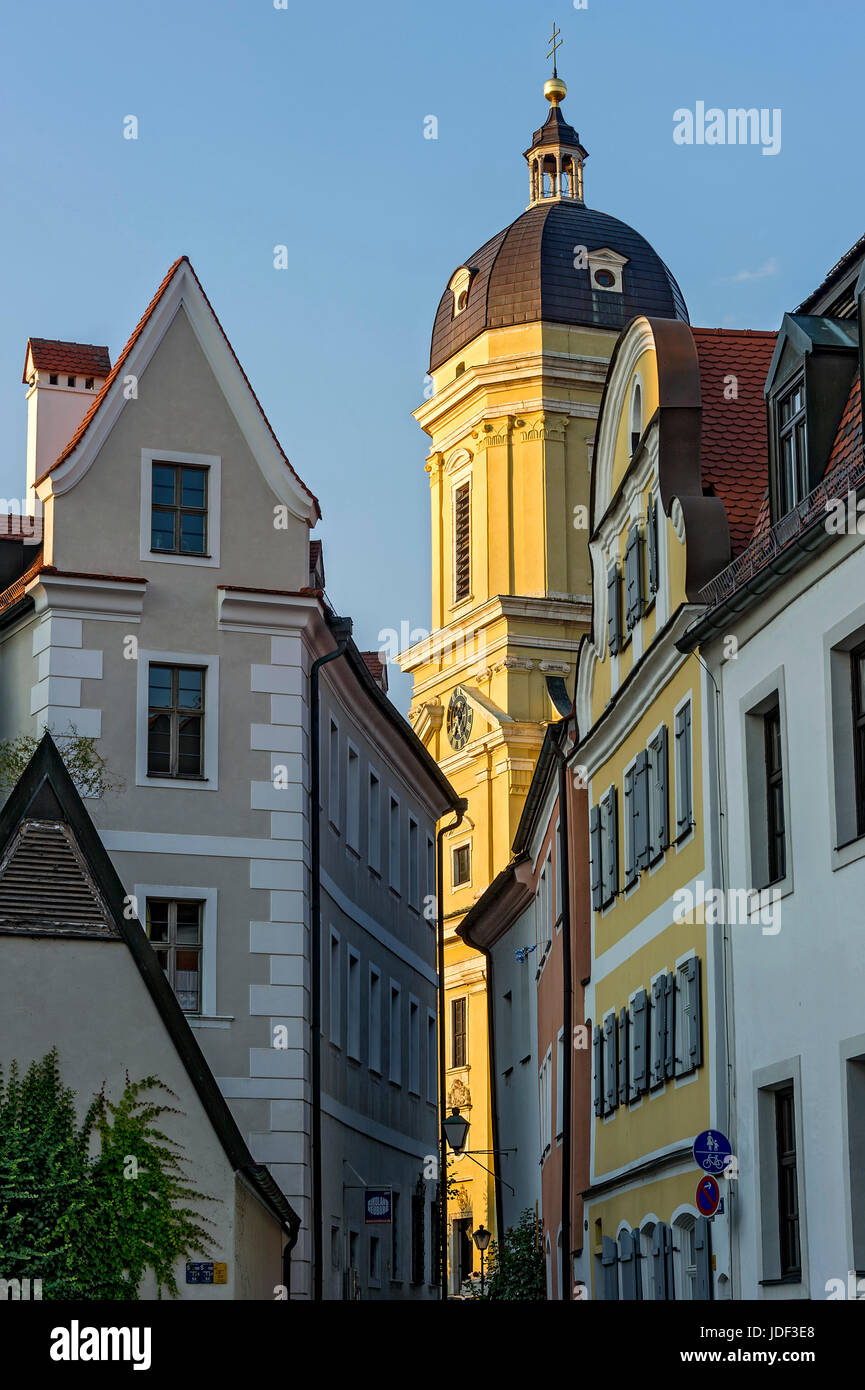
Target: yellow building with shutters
(665, 488)
(520, 347)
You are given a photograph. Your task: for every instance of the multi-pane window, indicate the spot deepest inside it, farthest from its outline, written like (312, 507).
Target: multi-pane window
(788, 1193)
(545, 1097)
(333, 774)
(792, 451)
(777, 857)
(175, 722)
(414, 1047)
(178, 516)
(462, 865)
(393, 844)
(374, 823)
(459, 1051)
(413, 863)
(462, 542)
(374, 1019)
(395, 1035)
(174, 929)
(352, 1011)
(857, 659)
(352, 799)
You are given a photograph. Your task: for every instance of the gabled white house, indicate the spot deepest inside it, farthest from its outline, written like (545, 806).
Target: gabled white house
(173, 611)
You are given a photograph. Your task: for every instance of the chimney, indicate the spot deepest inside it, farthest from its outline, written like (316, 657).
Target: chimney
(63, 380)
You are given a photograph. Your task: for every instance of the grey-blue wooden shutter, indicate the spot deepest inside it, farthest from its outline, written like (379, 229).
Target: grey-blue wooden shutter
(614, 608)
(638, 1265)
(610, 850)
(684, 792)
(669, 1284)
(623, 1055)
(609, 1262)
(640, 1078)
(598, 1064)
(610, 1064)
(659, 1268)
(628, 1261)
(595, 848)
(703, 1247)
(628, 819)
(695, 1016)
(669, 1025)
(659, 1028)
(652, 543)
(660, 817)
(641, 809)
(633, 577)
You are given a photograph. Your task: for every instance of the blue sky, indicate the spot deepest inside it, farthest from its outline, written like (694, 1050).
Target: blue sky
(304, 127)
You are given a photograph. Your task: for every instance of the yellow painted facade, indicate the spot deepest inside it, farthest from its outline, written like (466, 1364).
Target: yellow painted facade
(515, 421)
(640, 1176)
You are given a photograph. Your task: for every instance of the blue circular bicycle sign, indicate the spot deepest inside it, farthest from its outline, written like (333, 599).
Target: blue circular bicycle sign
(712, 1151)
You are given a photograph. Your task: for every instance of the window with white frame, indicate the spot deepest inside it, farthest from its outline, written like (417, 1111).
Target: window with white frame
(180, 508)
(545, 1104)
(352, 1001)
(177, 721)
(685, 1256)
(374, 822)
(335, 1014)
(461, 862)
(175, 932)
(432, 1059)
(374, 1019)
(414, 1046)
(413, 863)
(394, 1034)
(352, 798)
(431, 885)
(333, 774)
(393, 844)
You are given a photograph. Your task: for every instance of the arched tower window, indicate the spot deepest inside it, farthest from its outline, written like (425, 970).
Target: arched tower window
(636, 416)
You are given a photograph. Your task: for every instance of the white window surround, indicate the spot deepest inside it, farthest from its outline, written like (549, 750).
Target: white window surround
(673, 764)
(604, 258)
(213, 463)
(208, 897)
(466, 883)
(210, 782)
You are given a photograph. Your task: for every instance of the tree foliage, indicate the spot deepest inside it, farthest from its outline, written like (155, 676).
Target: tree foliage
(89, 1208)
(84, 763)
(515, 1267)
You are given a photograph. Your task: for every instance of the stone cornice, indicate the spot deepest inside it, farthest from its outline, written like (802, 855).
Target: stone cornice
(88, 596)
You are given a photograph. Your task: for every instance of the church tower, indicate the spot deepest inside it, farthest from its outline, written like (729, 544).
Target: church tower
(521, 342)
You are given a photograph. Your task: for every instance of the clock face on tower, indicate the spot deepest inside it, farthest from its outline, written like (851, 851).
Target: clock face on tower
(459, 724)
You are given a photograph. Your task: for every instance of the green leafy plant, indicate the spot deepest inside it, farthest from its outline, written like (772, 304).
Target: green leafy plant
(90, 1224)
(515, 1267)
(85, 764)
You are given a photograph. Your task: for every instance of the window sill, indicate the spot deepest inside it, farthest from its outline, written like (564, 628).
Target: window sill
(848, 853)
(783, 1279)
(353, 851)
(209, 1020)
(374, 873)
(179, 554)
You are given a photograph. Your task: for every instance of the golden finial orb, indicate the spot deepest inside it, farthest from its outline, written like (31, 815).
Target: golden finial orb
(555, 90)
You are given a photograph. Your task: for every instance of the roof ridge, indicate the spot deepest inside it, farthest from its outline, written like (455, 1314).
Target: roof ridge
(133, 338)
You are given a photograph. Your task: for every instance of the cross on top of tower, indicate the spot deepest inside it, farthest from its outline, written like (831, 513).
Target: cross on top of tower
(555, 44)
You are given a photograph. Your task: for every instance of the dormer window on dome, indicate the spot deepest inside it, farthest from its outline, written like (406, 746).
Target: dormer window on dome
(605, 269)
(459, 285)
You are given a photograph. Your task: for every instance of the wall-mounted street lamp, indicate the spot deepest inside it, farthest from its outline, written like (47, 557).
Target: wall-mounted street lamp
(457, 1129)
(481, 1238)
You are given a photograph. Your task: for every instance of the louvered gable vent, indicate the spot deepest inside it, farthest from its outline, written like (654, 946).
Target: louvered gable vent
(45, 885)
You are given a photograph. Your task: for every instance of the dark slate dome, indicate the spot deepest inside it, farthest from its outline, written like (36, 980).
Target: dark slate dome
(527, 273)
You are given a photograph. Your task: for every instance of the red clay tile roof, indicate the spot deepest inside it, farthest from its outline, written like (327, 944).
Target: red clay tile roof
(118, 365)
(848, 436)
(80, 359)
(733, 443)
(376, 667)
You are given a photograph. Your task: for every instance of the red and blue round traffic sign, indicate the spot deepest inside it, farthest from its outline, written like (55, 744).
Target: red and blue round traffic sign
(708, 1196)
